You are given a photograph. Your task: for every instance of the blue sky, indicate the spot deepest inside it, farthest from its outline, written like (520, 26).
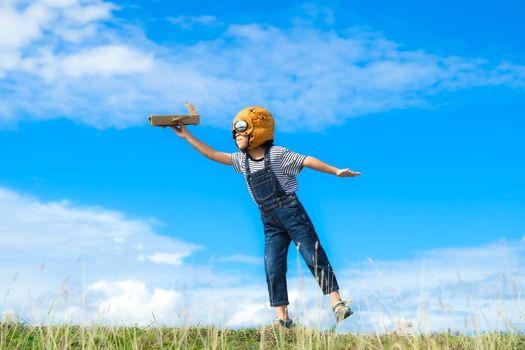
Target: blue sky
(424, 100)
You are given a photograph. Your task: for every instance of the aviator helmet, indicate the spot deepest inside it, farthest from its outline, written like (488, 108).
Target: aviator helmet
(257, 123)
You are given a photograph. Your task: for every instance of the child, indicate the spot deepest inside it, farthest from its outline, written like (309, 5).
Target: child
(270, 175)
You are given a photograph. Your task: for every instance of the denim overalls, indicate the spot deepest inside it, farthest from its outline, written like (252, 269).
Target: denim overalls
(284, 219)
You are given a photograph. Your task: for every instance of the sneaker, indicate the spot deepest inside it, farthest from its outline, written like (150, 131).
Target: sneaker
(341, 311)
(282, 323)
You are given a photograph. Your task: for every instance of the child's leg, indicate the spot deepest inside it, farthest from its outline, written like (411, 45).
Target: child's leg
(315, 257)
(335, 298)
(303, 233)
(282, 312)
(276, 246)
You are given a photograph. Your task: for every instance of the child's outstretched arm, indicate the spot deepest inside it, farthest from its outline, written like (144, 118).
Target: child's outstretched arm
(221, 157)
(314, 163)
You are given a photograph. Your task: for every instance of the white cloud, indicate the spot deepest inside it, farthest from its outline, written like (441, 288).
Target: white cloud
(245, 313)
(22, 25)
(95, 265)
(132, 302)
(18, 27)
(47, 36)
(9, 316)
(469, 288)
(105, 60)
(84, 14)
(244, 259)
(67, 60)
(188, 22)
(166, 258)
(56, 248)
(67, 232)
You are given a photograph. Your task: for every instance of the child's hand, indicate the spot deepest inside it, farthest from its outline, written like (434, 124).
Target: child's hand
(181, 130)
(347, 173)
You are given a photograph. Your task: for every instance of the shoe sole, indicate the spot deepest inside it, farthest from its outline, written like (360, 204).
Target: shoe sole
(282, 326)
(344, 316)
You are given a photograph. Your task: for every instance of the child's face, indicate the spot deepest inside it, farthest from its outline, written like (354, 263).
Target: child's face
(241, 141)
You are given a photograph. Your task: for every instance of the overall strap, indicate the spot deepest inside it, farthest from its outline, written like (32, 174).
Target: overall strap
(266, 160)
(246, 163)
(267, 157)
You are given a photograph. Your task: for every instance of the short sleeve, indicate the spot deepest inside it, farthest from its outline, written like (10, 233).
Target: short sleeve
(291, 162)
(237, 159)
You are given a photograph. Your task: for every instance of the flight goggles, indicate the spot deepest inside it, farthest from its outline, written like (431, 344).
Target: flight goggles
(240, 126)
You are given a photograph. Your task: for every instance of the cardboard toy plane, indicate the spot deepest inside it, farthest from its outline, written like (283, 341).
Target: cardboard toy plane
(174, 119)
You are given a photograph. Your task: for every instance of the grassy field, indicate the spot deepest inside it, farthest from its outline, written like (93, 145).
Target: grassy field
(20, 336)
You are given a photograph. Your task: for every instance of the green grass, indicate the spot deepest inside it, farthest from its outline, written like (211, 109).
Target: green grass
(20, 336)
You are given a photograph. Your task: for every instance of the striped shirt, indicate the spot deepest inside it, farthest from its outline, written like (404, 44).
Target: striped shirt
(285, 165)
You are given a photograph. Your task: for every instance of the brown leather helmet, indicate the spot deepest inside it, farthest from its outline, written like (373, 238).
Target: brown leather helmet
(257, 122)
